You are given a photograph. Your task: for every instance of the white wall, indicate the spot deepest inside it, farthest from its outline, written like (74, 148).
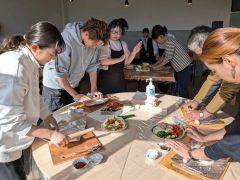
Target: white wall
(175, 14)
(17, 15)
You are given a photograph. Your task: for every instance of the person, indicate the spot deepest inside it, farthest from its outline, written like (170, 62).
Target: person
(146, 53)
(61, 77)
(113, 56)
(20, 102)
(221, 54)
(177, 56)
(225, 90)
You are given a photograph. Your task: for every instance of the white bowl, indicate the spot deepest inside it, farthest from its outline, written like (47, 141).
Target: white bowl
(152, 154)
(95, 159)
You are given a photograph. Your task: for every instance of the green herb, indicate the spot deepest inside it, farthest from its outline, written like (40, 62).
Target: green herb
(127, 116)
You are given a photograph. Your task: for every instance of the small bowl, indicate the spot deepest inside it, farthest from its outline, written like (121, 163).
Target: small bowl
(152, 154)
(80, 163)
(95, 159)
(163, 148)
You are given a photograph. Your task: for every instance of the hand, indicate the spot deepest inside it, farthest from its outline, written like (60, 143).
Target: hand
(191, 105)
(81, 98)
(137, 47)
(58, 139)
(96, 94)
(122, 58)
(180, 148)
(51, 123)
(193, 115)
(194, 134)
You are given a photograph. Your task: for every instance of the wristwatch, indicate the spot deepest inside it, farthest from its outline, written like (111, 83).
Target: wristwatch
(201, 115)
(190, 155)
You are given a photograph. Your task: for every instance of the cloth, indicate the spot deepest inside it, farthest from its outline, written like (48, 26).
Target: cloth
(112, 80)
(20, 102)
(73, 62)
(225, 92)
(227, 147)
(12, 170)
(105, 51)
(176, 55)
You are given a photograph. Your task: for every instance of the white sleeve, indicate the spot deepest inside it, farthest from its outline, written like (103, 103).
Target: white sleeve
(12, 92)
(155, 48)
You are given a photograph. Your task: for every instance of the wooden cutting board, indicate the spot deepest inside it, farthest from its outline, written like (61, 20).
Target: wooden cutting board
(169, 164)
(95, 107)
(185, 116)
(88, 140)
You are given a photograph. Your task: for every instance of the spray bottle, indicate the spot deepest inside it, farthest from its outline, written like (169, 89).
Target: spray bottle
(150, 89)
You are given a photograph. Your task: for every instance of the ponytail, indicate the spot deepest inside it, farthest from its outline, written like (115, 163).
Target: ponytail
(12, 43)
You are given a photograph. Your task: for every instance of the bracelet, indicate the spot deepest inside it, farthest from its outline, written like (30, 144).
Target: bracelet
(191, 156)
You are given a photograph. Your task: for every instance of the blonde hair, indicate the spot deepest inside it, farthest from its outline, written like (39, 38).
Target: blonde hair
(222, 41)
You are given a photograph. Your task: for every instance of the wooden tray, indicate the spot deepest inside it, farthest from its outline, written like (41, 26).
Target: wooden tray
(88, 140)
(185, 116)
(168, 163)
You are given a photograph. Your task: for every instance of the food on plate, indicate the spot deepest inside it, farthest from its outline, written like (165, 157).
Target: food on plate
(143, 67)
(169, 131)
(114, 124)
(130, 67)
(80, 165)
(112, 107)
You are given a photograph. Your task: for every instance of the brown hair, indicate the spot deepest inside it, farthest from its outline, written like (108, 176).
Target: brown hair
(98, 30)
(222, 41)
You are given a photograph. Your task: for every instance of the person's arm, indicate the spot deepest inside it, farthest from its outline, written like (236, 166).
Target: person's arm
(109, 61)
(134, 52)
(93, 81)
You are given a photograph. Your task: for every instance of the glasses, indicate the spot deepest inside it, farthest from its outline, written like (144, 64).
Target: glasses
(117, 33)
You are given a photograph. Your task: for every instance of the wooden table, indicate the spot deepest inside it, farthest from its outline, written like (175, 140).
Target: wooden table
(164, 75)
(124, 153)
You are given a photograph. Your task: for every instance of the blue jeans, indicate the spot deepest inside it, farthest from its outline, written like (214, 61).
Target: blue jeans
(183, 79)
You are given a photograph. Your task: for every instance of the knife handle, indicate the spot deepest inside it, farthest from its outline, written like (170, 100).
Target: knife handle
(80, 133)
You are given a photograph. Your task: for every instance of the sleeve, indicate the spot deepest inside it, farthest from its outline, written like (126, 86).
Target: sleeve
(104, 52)
(125, 47)
(155, 48)
(94, 64)
(61, 65)
(13, 116)
(169, 51)
(44, 112)
(210, 86)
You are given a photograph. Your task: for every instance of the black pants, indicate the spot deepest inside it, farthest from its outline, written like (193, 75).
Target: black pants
(56, 98)
(12, 170)
(183, 79)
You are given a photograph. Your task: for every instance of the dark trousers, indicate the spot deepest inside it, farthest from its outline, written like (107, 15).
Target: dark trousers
(56, 98)
(183, 79)
(12, 170)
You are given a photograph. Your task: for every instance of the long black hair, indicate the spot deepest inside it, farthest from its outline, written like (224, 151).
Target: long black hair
(43, 34)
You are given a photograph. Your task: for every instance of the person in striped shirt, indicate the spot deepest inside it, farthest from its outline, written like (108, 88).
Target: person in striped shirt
(177, 56)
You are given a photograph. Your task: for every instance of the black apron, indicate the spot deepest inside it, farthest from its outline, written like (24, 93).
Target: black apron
(112, 80)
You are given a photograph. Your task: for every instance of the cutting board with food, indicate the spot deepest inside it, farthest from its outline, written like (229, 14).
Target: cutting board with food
(87, 144)
(211, 122)
(194, 170)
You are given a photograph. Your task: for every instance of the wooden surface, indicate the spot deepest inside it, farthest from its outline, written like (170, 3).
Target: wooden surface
(168, 163)
(123, 152)
(165, 75)
(88, 140)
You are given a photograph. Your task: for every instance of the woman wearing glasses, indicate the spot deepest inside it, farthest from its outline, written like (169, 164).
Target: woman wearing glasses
(113, 57)
(221, 53)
